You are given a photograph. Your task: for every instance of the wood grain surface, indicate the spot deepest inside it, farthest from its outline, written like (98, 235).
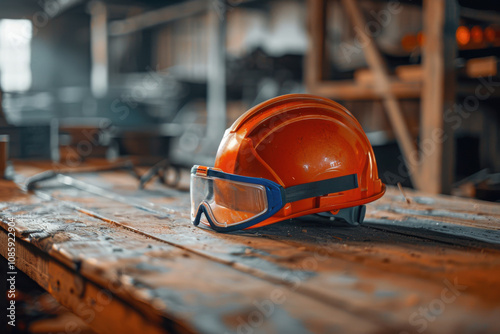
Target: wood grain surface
(129, 260)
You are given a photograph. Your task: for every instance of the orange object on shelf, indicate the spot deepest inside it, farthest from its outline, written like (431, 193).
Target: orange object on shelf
(492, 35)
(463, 35)
(476, 35)
(409, 42)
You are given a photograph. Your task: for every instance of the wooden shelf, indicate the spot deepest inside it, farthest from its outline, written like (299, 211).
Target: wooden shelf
(434, 82)
(350, 90)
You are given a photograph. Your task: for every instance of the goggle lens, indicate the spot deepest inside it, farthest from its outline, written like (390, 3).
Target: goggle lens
(228, 202)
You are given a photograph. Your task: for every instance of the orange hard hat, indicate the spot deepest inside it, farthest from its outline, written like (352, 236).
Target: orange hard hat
(299, 139)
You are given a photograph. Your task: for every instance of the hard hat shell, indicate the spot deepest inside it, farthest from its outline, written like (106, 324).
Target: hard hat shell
(300, 138)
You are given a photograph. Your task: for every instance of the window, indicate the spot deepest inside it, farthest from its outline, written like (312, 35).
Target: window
(15, 55)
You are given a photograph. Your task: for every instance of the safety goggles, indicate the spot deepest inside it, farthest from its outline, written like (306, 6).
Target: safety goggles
(233, 202)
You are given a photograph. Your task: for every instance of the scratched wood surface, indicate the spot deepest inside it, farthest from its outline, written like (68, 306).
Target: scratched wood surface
(431, 265)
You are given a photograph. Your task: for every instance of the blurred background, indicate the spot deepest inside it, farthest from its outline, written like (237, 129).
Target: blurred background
(163, 79)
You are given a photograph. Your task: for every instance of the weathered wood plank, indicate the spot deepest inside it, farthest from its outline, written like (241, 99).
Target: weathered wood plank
(183, 291)
(444, 210)
(284, 255)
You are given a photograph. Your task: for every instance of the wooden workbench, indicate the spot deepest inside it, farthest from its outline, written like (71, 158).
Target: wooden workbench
(128, 261)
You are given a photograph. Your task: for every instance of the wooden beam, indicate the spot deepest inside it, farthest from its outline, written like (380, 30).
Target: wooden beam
(350, 90)
(378, 66)
(404, 73)
(410, 73)
(364, 77)
(438, 95)
(314, 58)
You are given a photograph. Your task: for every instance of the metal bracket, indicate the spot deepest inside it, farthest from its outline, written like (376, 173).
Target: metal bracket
(352, 216)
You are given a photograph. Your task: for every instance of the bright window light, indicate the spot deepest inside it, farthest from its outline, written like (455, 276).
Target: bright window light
(15, 55)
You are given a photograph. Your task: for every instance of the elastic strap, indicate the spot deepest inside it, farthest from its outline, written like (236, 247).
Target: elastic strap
(321, 188)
